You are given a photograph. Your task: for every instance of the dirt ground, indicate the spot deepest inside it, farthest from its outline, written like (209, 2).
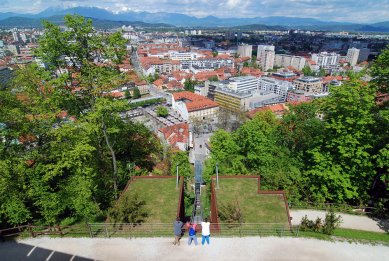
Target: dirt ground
(250, 248)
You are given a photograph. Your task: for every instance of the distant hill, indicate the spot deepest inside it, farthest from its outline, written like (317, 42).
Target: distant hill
(58, 19)
(259, 27)
(182, 20)
(382, 24)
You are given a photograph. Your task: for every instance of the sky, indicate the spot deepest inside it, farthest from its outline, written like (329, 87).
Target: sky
(359, 11)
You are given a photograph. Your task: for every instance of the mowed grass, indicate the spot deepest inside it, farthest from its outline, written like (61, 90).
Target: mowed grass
(161, 198)
(350, 235)
(256, 208)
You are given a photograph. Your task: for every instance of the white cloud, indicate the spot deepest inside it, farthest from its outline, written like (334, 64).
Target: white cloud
(336, 10)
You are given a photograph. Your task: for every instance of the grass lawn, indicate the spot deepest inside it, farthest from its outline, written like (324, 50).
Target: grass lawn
(206, 201)
(161, 197)
(350, 235)
(256, 208)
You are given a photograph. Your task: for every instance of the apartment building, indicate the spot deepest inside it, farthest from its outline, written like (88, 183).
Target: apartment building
(309, 84)
(278, 87)
(326, 60)
(243, 84)
(151, 66)
(352, 56)
(284, 60)
(265, 57)
(245, 50)
(206, 64)
(184, 56)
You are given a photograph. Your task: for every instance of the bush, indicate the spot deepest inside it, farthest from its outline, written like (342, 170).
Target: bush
(331, 222)
(231, 212)
(162, 111)
(130, 209)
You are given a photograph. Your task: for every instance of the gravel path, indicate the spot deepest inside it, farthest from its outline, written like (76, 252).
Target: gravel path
(348, 221)
(250, 248)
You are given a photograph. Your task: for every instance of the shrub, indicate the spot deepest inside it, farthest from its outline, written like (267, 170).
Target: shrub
(162, 111)
(130, 209)
(231, 212)
(331, 222)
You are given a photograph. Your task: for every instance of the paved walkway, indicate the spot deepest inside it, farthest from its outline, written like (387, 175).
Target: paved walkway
(348, 221)
(250, 248)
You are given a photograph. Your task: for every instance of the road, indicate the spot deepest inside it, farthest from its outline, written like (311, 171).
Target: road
(199, 151)
(160, 249)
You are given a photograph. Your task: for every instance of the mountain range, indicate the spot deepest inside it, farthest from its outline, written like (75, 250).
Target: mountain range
(182, 20)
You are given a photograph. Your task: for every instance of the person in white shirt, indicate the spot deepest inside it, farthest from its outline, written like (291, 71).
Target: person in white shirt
(205, 231)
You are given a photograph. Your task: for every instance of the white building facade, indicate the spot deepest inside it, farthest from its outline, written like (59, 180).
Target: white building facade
(352, 56)
(275, 86)
(243, 84)
(326, 60)
(284, 60)
(266, 56)
(245, 50)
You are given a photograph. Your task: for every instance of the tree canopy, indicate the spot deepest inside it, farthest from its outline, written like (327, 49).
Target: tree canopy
(64, 148)
(330, 150)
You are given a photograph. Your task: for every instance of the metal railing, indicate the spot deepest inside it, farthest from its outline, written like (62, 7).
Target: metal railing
(129, 230)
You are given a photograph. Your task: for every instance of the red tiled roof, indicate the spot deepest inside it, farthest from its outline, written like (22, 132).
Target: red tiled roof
(194, 102)
(176, 133)
(252, 71)
(175, 85)
(242, 59)
(158, 83)
(115, 94)
(278, 109)
(203, 76)
(180, 75)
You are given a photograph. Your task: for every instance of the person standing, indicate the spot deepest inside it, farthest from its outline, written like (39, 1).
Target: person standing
(205, 231)
(177, 225)
(192, 234)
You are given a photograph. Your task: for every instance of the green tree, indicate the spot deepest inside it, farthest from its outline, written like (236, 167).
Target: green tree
(64, 152)
(129, 209)
(225, 153)
(127, 94)
(136, 93)
(380, 71)
(189, 84)
(341, 167)
(181, 159)
(322, 73)
(307, 71)
(162, 111)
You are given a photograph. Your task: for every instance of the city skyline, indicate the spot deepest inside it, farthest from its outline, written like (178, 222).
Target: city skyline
(358, 11)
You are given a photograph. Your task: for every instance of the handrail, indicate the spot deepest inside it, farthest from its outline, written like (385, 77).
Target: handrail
(149, 230)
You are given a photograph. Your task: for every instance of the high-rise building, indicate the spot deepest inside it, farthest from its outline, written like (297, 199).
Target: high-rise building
(15, 34)
(245, 50)
(265, 57)
(326, 60)
(284, 60)
(363, 54)
(352, 56)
